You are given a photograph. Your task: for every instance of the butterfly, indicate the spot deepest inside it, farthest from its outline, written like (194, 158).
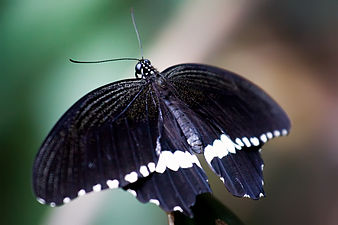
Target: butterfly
(143, 135)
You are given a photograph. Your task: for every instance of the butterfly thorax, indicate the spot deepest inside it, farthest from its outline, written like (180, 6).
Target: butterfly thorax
(144, 69)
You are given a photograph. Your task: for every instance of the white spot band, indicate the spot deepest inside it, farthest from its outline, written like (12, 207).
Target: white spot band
(176, 160)
(221, 147)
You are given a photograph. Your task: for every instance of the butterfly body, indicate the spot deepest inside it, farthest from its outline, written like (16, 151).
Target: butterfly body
(142, 135)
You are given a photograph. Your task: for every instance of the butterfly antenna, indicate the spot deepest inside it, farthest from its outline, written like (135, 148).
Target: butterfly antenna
(119, 59)
(137, 33)
(103, 61)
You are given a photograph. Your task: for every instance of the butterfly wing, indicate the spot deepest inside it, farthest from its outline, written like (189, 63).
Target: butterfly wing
(105, 140)
(125, 135)
(239, 118)
(178, 177)
(172, 190)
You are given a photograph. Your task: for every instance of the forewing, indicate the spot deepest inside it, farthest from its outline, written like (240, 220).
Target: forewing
(242, 117)
(106, 139)
(234, 103)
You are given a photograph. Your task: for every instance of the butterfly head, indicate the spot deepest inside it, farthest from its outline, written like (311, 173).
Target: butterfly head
(144, 69)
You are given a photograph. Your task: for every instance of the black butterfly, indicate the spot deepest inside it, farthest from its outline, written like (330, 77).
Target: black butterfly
(143, 135)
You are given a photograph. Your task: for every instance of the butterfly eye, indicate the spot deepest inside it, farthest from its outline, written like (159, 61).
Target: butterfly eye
(147, 61)
(138, 68)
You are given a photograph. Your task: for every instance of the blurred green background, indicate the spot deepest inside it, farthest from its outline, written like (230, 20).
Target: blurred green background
(289, 48)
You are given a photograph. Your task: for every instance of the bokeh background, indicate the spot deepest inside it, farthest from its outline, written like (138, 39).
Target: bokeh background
(288, 47)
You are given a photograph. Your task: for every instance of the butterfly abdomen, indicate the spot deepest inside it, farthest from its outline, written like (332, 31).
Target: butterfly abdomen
(191, 133)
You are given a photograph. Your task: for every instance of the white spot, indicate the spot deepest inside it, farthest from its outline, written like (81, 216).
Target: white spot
(262, 167)
(254, 141)
(113, 183)
(166, 159)
(259, 150)
(132, 192)
(52, 204)
(41, 201)
(216, 150)
(209, 154)
(221, 148)
(239, 142)
(284, 132)
(151, 167)
(81, 192)
(176, 160)
(269, 135)
(230, 146)
(238, 147)
(144, 171)
(262, 182)
(276, 133)
(246, 196)
(222, 179)
(184, 159)
(131, 177)
(246, 141)
(261, 195)
(97, 188)
(264, 138)
(178, 208)
(158, 146)
(154, 201)
(91, 165)
(161, 164)
(66, 200)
